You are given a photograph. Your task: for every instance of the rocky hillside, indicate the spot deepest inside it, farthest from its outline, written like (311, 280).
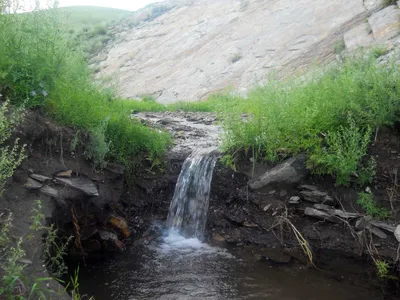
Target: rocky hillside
(195, 48)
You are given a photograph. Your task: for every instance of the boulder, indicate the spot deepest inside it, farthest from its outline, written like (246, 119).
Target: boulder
(315, 213)
(317, 197)
(32, 184)
(359, 36)
(294, 200)
(82, 184)
(397, 233)
(49, 191)
(110, 241)
(385, 23)
(65, 174)
(40, 178)
(120, 225)
(291, 171)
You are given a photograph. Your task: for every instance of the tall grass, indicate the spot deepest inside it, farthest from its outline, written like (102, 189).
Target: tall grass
(40, 68)
(287, 118)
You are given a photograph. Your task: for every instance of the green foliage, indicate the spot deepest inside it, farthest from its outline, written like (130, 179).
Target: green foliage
(366, 172)
(288, 117)
(10, 156)
(382, 268)
(339, 47)
(98, 147)
(379, 51)
(389, 2)
(367, 203)
(343, 152)
(229, 161)
(39, 67)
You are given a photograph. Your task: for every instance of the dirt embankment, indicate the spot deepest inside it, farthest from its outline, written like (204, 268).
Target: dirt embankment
(79, 201)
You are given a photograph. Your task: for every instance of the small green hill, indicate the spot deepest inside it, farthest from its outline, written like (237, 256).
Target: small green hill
(89, 16)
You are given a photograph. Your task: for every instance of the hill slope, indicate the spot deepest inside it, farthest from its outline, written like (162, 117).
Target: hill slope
(205, 46)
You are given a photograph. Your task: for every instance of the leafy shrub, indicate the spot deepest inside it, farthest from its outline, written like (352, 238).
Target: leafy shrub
(339, 47)
(287, 117)
(343, 152)
(98, 146)
(366, 172)
(10, 156)
(367, 203)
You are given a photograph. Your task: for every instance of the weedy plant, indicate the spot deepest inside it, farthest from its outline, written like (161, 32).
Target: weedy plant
(368, 204)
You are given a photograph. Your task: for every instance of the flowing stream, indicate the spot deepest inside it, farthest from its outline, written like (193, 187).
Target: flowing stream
(180, 266)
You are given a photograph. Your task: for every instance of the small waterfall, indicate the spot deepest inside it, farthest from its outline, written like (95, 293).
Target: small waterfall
(189, 206)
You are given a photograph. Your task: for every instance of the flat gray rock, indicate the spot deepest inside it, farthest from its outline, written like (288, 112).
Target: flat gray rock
(32, 184)
(317, 197)
(85, 185)
(40, 178)
(385, 23)
(49, 191)
(359, 36)
(397, 233)
(292, 170)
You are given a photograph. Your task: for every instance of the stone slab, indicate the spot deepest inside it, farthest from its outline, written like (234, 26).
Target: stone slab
(385, 23)
(359, 36)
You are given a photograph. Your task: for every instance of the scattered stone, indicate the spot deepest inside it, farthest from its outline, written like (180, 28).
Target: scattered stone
(293, 170)
(272, 192)
(266, 207)
(121, 225)
(317, 197)
(249, 224)
(315, 213)
(32, 184)
(64, 174)
(383, 225)
(294, 200)
(218, 238)
(336, 212)
(359, 36)
(166, 121)
(115, 168)
(40, 178)
(397, 233)
(112, 241)
(308, 187)
(385, 23)
(379, 233)
(368, 190)
(82, 184)
(49, 191)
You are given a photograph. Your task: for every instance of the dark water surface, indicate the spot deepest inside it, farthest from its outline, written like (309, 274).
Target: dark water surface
(179, 268)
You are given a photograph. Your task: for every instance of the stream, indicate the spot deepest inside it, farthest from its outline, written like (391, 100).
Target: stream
(178, 265)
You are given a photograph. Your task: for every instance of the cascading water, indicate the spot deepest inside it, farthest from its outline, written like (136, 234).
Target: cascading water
(189, 206)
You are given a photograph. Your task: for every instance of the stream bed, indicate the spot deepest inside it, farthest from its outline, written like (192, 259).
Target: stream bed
(174, 267)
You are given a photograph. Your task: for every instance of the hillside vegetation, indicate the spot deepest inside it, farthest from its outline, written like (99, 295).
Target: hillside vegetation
(40, 67)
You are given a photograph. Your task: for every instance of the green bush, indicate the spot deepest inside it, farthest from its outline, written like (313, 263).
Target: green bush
(10, 156)
(343, 152)
(367, 203)
(287, 117)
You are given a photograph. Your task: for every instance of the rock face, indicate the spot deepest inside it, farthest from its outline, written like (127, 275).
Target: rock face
(385, 24)
(208, 45)
(290, 171)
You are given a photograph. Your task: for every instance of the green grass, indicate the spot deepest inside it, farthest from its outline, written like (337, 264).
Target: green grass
(79, 17)
(39, 67)
(285, 118)
(368, 204)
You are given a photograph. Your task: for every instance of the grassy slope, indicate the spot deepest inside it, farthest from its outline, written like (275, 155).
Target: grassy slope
(87, 16)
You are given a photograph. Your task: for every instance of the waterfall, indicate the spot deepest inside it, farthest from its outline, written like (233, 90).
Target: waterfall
(189, 206)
